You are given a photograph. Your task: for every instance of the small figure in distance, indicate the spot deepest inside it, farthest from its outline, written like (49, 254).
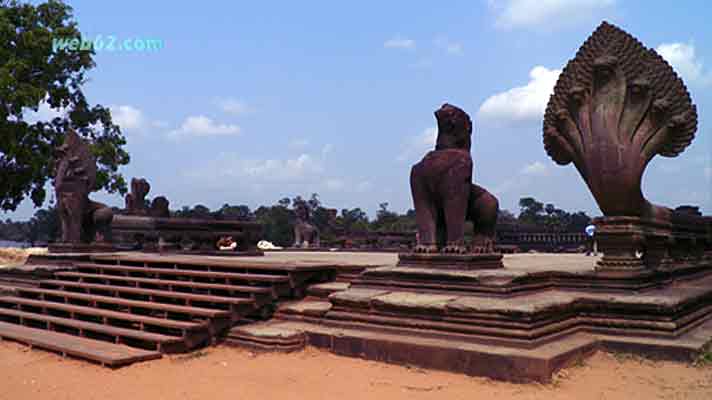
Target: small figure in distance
(590, 240)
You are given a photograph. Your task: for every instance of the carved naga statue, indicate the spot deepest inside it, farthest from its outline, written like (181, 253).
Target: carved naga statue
(81, 219)
(615, 106)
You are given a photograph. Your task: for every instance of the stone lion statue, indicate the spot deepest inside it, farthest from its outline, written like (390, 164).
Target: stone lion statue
(305, 233)
(444, 195)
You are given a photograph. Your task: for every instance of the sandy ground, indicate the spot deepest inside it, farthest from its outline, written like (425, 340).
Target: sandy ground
(230, 373)
(12, 256)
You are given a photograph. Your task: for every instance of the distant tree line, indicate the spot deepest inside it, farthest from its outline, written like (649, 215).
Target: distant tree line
(549, 217)
(43, 227)
(278, 220)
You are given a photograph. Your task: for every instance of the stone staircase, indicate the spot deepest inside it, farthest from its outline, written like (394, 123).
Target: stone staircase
(507, 324)
(118, 310)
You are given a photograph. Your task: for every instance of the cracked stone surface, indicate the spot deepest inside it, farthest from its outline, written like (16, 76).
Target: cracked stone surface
(356, 297)
(413, 300)
(270, 331)
(313, 308)
(527, 304)
(332, 285)
(325, 289)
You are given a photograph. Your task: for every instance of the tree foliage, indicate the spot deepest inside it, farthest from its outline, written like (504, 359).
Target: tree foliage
(42, 227)
(32, 74)
(549, 217)
(277, 221)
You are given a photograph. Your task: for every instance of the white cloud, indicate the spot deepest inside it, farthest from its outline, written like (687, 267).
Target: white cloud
(203, 126)
(546, 13)
(127, 117)
(44, 113)
(277, 170)
(522, 103)
(327, 149)
(536, 168)
(454, 48)
(417, 146)
(399, 42)
(299, 142)
(302, 171)
(526, 178)
(364, 186)
(231, 166)
(683, 59)
(159, 124)
(334, 184)
(234, 106)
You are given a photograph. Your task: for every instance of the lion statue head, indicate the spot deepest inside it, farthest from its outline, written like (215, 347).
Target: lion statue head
(454, 128)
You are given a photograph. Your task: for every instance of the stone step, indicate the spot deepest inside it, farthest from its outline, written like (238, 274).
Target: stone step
(107, 315)
(323, 290)
(161, 342)
(108, 354)
(478, 359)
(232, 276)
(165, 283)
(152, 294)
(200, 312)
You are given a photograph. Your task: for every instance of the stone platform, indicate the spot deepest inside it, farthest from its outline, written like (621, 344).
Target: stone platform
(537, 314)
(451, 261)
(522, 322)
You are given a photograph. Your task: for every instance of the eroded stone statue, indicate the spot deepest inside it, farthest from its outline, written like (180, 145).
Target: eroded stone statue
(305, 233)
(137, 204)
(136, 200)
(160, 207)
(82, 220)
(444, 195)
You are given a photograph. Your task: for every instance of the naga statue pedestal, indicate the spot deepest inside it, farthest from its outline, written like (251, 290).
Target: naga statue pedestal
(451, 261)
(640, 246)
(632, 244)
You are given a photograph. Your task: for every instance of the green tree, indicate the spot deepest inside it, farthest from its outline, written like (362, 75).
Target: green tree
(385, 219)
(530, 210)
(354, 220)
(32, 72)
(277, 221)
(44, 226)
(228, 212)
(506, 217)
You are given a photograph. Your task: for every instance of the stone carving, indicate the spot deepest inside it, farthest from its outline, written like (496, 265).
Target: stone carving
(444, 195)
(305, 233)
(136, 200)
(615, 106)
(136, 203)
(160, 207)
(81, 219)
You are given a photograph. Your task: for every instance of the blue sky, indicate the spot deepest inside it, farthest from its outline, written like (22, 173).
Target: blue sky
(249, 102)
